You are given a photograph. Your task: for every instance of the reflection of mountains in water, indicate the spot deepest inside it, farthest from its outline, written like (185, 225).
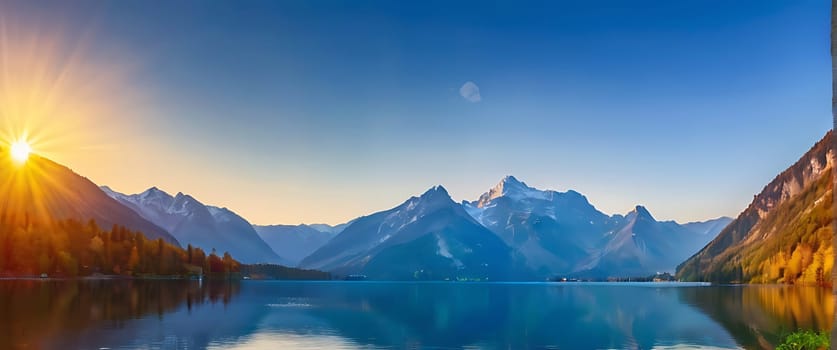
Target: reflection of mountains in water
(577, 316)
(517, 316)
(71, 314)
(758, 317)
(181, 314)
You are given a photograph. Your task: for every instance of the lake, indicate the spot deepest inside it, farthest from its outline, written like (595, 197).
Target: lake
(138, 314)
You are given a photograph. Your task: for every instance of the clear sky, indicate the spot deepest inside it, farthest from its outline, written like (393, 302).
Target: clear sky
(298, 111)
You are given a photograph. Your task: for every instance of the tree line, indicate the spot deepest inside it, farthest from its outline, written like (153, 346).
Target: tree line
(69, 248)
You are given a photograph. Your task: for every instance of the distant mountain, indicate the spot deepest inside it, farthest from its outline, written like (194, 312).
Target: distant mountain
(295, 242)
(642, 246)
(709, 228)
(784, 235)
(325, 228)
(41, 189)
(426, 237)
(561, 233)
(200, 225)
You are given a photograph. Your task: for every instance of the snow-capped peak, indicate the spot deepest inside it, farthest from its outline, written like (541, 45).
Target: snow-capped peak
(515, 189)
(155, 195)
(433, 196)
(509, 184)
(153, 191)
(413, 209)
(204, 226)
(510, 179)
(640, 212)
(434, 191)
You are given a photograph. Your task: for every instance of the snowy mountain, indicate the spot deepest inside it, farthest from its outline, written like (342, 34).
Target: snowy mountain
(561, 233)
(192, 222)
(426, 237)
(295, 242)
(553, 230)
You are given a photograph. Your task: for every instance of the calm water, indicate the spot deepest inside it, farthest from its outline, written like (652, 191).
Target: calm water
(350, 315)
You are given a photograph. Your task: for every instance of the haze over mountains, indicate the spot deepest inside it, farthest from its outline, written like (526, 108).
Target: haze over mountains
(561, 233)
(709, 227)
(295, 242)
(546, 234)
(511, 232)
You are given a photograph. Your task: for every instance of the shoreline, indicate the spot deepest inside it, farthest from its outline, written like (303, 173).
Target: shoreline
(579, 283)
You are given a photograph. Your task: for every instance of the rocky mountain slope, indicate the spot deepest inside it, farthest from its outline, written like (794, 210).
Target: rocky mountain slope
(783, 236)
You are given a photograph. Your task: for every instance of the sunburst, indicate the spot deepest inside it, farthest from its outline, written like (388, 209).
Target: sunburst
(61, 91)
(58, 100)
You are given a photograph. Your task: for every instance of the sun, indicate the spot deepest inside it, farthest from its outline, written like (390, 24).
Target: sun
(20, 151)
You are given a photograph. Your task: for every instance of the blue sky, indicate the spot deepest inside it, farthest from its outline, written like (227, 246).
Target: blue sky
(291, 112)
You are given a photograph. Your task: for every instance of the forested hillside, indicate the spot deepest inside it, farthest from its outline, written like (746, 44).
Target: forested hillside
(784, 236)
(71, 248)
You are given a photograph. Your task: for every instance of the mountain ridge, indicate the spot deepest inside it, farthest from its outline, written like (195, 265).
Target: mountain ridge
(426, 237)
(562, 233)
(205, 226)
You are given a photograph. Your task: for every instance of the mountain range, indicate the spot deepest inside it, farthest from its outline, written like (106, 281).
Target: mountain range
(561, 233)
(540, 233)
(192, 222)
(426, 237)
(511, 232)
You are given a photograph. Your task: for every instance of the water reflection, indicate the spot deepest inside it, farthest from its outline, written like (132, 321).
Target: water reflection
(340, 315)
(759, 316)
(39, 314)
(514, 316)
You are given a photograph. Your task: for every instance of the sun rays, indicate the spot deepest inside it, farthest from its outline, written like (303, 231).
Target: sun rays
(60, 98)
(59, 91)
